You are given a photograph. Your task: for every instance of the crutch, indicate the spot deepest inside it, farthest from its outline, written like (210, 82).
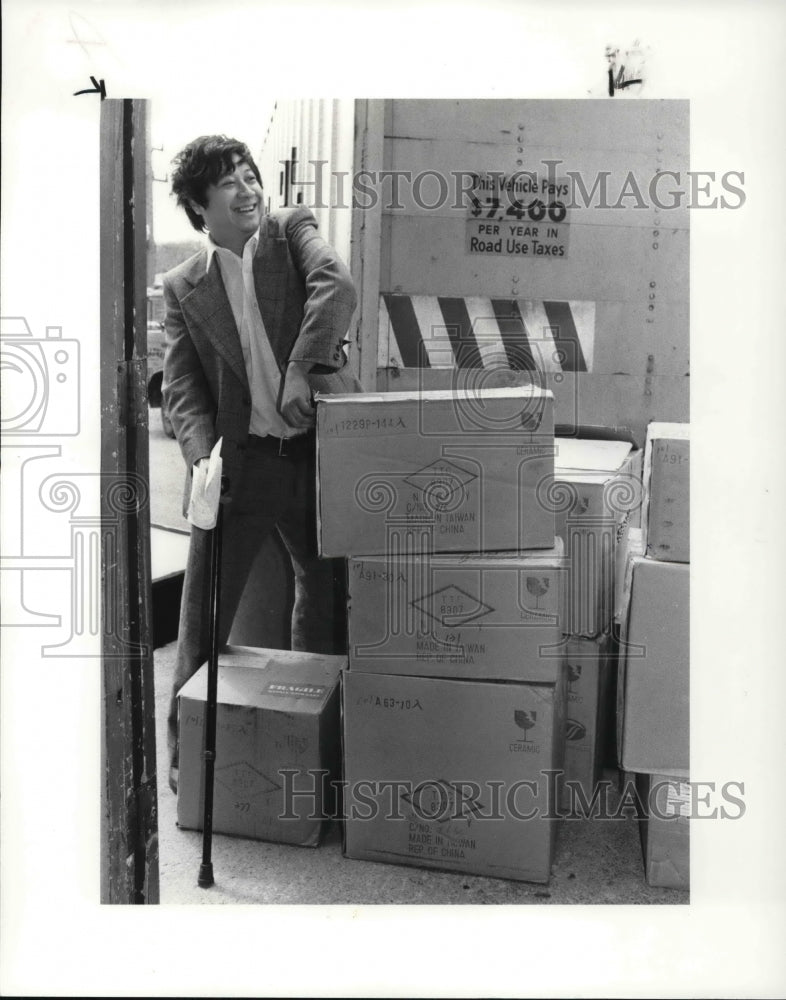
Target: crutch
(205, 879)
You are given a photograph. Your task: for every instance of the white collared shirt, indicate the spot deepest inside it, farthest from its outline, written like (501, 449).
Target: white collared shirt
(264, 378)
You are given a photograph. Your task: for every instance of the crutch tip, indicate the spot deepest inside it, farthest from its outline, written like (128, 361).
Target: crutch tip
(205, 879)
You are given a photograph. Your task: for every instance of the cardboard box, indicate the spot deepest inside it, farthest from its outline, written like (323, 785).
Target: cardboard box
(665, 829)
(630, 544)
(277, 711)
(653, 686)
(667, 489)
(597, 492)
(494, 617)
(467, 759)
(587, 678)
(442, 471)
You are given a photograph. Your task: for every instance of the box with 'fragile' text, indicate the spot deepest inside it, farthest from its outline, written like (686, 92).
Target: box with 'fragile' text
(277, 726)
(455, 471)
(493, 617)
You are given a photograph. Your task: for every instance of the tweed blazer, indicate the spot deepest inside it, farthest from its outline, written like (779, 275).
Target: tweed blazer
(306, 298)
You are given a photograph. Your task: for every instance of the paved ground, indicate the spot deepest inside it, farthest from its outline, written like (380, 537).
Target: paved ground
(596, 862)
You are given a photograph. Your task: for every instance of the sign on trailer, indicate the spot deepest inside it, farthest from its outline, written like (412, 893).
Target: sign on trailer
(521, 215)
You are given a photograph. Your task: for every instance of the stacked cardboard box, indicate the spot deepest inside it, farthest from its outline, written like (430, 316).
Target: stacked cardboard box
(596, 496)
(452, 774)
(653, 685)
(454, 700)
(459, 470)
(479, 617)
(588, 674)
(665, 829)
(277, 745)
(667, 508)
(653, 695)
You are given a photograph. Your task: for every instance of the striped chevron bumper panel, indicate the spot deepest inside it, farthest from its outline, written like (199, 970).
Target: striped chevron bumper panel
(429, 331)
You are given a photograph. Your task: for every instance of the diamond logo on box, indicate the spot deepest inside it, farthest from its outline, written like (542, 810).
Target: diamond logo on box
(575, 730)
(442, 484)
(443, 801)
(451, 605)
(242, 778)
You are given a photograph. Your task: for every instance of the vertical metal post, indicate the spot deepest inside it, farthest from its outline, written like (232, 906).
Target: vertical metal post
(366, 239)
(129, 849)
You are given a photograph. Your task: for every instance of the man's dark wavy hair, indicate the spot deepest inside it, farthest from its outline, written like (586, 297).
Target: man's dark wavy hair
(204, 162)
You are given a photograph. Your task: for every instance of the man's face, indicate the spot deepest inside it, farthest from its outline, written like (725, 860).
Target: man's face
(233, 207)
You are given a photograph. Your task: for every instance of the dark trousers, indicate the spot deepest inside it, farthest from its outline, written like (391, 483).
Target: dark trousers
(277, 492)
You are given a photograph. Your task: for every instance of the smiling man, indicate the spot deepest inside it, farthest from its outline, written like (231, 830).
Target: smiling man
(255, 323)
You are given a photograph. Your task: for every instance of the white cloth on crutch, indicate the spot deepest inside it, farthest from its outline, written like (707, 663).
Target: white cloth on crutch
(206, 490)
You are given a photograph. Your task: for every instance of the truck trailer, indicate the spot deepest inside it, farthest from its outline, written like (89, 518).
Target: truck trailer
(545, 237)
